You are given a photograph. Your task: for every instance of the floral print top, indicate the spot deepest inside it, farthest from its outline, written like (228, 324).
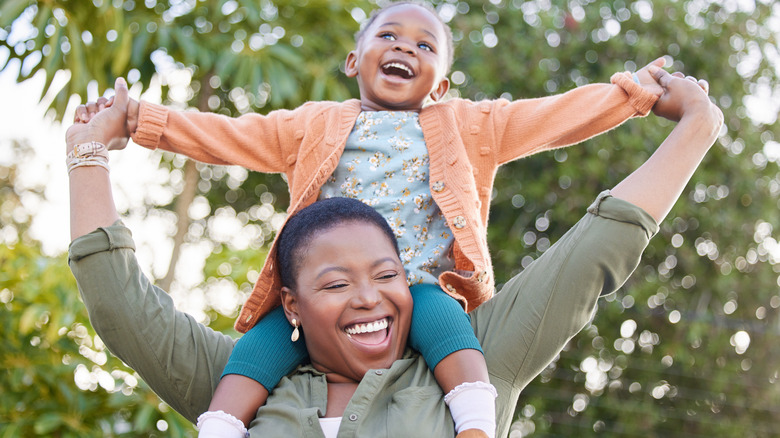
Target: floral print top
(385, 165)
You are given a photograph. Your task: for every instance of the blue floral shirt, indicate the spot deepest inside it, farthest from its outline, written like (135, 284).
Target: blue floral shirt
(385, 165)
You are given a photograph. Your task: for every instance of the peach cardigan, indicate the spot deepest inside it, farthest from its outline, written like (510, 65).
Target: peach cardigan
(467, 141)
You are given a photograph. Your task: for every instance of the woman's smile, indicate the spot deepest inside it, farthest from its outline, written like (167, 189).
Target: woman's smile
(352, 300)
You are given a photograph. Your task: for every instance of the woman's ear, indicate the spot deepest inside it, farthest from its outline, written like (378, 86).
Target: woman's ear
(290, 304)
(350, 66)
(440, 90)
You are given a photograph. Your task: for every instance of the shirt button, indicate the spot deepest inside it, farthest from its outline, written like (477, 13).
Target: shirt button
(437, 186)
(352, 417)
(459, 222)
(379, 372)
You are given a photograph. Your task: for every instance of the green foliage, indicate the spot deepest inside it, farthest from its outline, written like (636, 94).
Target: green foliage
(249, 55)
(57, 377)
(663, 355)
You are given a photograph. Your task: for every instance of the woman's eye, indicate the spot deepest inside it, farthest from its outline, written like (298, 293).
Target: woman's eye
(335, 286)
(388, 276)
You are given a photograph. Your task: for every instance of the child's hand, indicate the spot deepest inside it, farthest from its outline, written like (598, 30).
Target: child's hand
(85, 112)
(681, 95)
(103, 121)
(647, 81)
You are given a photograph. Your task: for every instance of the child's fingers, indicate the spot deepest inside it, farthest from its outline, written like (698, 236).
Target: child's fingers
(101, 103)
(81, 115)
(91, 109)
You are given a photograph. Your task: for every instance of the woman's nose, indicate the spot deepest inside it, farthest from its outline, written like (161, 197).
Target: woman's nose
(367, 296)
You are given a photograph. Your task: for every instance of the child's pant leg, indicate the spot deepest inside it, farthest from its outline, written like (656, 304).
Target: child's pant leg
(440, 326)
(266, 353)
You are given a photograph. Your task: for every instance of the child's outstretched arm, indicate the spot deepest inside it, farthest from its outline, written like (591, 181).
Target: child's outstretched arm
(527, 126)
(258, 142)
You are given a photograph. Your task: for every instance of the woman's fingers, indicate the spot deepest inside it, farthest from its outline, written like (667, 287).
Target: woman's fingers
(704, 85)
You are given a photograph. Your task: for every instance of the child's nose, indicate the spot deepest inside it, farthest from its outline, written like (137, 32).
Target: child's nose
(403, 47)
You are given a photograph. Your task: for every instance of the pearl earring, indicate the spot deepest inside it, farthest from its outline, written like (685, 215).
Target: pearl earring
(295, 334)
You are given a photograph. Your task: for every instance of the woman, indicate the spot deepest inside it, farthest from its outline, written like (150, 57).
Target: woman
(370, 383)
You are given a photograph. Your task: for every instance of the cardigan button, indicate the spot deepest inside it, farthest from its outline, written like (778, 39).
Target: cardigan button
(459, 222)
(437, 186)
(352, 417)
(450, 288)
(379, 372)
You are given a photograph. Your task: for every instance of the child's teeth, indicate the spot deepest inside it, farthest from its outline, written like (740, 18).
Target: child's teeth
(401, 66)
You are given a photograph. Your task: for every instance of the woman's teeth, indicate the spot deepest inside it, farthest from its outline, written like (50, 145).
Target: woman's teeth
(368, 327)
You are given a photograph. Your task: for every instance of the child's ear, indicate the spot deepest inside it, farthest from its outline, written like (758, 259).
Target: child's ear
(290, 304)
(351, 67)
(440, 90)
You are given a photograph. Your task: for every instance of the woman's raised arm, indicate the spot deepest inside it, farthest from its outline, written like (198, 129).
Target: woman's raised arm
(656, 185)
(91, 201)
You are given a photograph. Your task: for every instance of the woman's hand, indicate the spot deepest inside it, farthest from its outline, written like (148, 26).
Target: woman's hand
(104, 121)
(683, 95)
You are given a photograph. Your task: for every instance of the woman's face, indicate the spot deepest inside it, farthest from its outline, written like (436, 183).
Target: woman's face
(352, 301)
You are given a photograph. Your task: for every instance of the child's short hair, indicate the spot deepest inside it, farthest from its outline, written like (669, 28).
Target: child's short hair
(427, 6)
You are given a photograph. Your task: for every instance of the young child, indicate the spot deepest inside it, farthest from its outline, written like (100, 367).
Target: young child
(428, 168)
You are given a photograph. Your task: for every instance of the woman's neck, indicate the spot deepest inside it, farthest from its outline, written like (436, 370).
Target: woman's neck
(339, 395)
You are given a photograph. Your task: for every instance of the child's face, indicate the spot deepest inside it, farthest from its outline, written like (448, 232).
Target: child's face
(400, 60)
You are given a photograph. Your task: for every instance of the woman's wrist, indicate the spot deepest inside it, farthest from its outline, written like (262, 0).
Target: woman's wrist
(707, 116)
(88, 154)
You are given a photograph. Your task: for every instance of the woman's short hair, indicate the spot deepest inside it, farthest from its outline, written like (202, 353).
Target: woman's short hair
(305, 225)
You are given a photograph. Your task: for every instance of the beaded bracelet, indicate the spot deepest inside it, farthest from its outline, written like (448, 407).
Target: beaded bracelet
(91, 161)
(88, 154)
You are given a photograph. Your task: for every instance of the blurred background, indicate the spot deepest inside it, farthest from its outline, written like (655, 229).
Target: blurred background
(688, 347)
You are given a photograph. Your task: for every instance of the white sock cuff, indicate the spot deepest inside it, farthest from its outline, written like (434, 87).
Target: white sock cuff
(470, 387)
(220, 424)
(473, 406)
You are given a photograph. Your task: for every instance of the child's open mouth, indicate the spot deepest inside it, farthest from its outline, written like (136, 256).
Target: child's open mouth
(397, 69)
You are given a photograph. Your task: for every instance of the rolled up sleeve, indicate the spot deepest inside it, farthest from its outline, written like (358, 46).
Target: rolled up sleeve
(179, 358)
(537, 312)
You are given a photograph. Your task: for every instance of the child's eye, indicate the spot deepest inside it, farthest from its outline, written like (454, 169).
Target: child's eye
(387, 36)
(425, 46)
